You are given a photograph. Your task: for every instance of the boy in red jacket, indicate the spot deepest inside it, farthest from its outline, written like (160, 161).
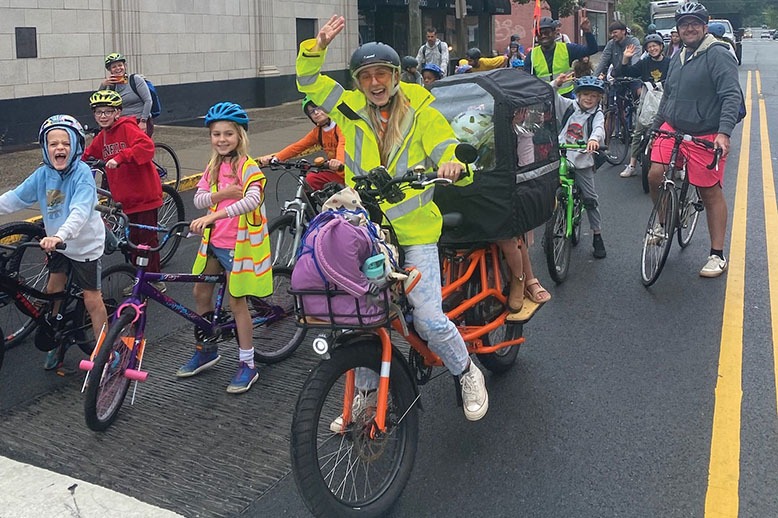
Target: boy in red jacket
(327, 136)
(132, 177)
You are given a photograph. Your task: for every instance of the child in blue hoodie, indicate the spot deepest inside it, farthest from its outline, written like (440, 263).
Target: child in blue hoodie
(65, 190)
(582, 119)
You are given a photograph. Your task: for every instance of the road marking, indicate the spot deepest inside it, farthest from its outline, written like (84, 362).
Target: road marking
(721, 499)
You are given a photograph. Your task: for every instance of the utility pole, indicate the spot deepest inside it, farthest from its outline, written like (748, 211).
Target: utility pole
(460, 12)
(414, 27)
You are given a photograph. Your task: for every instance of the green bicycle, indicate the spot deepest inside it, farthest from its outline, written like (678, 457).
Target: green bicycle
(563, 230)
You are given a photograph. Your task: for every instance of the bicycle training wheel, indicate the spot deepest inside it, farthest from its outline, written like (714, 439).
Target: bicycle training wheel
(284, 240)
(168, 167)
(279, 337)
(556, 244)
(488, 310)
(107, 385)
(29, 265)
(170, 213)
(689, 207)
(659, 235)
(356, 468)
(616, 138)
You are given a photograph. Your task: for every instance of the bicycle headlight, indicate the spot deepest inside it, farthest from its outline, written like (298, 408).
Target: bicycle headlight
(320, 345)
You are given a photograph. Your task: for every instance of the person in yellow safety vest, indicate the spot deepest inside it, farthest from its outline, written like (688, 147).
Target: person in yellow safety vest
(551, 58)
(386, 122)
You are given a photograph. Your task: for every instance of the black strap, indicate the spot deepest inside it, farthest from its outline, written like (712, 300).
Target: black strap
(347, 112)
(589, 121)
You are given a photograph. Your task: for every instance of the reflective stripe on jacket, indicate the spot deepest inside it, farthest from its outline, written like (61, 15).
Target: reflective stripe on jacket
(428, 141)
(251, 266)
(561, 65)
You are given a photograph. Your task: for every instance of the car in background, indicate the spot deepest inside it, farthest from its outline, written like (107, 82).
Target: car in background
(775, 35)
(748, 34)
(765, 35)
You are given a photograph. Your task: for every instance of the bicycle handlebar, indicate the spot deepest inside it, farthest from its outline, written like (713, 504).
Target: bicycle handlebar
(680, 136)
(304, 166)
(30, 244)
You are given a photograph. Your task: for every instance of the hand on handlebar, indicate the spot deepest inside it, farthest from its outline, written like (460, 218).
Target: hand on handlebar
(722, 142)
(51, 243)
(593, 145)
(199, 225)
(334, 164)
(450, 171)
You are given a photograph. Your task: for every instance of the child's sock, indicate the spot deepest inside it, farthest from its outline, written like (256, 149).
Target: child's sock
(247, 356)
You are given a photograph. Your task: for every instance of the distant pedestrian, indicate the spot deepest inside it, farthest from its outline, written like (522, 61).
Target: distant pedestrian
(434, 51)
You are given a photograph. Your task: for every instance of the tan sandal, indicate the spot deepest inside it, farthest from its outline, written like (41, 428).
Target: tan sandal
(537, 295)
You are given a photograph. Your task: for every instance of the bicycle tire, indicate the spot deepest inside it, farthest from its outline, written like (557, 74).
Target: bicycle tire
(167, 164)
(656, 248)
(689, 207)
(488, 310)
(283, 235)
(615, 138)
(107, 385)
(30, 264)
(645, 164)
(171, 212)
(2, 347)
(269, 347)
(323, 487)
(115, 280)
(556, 245)
(575, 235)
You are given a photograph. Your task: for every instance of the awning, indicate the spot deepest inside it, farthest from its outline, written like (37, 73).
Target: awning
(473, 6)
(497, 6)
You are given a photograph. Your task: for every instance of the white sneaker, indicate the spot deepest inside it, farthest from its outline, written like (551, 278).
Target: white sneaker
(475, 399)
(362, 401)
(628, 171)
(714, 267)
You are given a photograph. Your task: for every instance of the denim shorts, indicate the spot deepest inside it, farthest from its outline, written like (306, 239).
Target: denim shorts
(223, 255)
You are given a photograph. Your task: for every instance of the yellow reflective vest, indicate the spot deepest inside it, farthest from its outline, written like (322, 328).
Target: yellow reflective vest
(251, 265)
(428, 141)
(561, 65)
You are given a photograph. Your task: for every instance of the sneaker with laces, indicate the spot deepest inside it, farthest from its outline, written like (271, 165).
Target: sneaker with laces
(362, 401)
(244, 379)
(475, 399)
(200, 361)
(628, 171)
(714, 267)
(599, 247)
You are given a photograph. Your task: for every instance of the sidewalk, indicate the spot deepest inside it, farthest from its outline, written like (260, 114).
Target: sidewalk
(270, 129)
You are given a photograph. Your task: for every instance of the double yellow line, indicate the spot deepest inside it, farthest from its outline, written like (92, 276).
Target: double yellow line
(722, 498)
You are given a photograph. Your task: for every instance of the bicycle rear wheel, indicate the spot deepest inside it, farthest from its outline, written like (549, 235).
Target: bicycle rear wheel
(28, 264)
(116, 281)
(689, 207)
(556, 244)
(168, 167)
(170, 213)
(279, 337)
(659, 235)
(575, 235)
(358, 470)
(284, 240)
(616, 138)
(107, 385)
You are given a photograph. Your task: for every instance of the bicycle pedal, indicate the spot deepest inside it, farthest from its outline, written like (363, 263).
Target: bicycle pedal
(698, 206)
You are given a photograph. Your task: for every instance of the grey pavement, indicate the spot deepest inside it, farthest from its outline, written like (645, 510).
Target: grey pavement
(270, 129)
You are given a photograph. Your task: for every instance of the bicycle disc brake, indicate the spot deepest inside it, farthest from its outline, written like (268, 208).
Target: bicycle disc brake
(422, 372)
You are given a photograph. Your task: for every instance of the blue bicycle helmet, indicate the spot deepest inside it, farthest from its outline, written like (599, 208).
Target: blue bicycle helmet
(717, 29)
(590, 83)
(227, 111)
(692, 9)
(435, 69)
(75, 131)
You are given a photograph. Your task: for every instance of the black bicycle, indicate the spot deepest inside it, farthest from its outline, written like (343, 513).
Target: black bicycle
(620, 112)
(676, 209)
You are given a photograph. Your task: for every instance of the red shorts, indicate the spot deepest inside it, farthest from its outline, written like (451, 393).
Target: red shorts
(318, 180)
(697, 158)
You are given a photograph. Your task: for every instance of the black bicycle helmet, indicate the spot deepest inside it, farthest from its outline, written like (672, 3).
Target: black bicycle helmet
(692, 9)
(227, 111)
(546, 23)
(409, 62)
(656, 38)
(474, 54)
(373, 53)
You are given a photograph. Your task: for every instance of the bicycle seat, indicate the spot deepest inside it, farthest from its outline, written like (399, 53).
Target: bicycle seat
(452, 220)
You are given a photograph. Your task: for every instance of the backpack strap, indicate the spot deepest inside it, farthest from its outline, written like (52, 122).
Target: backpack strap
(133, 85)
(589, 121)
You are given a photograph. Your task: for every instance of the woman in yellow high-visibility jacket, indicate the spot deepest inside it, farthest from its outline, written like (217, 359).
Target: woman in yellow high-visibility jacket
(386, 122)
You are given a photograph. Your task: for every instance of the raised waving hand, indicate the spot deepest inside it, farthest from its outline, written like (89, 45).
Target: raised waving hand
(329, 30)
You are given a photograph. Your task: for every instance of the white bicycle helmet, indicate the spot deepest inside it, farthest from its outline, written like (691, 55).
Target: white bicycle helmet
(476, 127)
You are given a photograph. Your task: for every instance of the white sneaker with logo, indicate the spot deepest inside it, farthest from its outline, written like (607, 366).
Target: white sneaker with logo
(475, 399)
(362, 401)
(714, 267)
(628, 171)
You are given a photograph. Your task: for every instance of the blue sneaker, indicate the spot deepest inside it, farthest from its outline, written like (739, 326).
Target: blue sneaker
(52, 360)
(243, 380)
(200, 361)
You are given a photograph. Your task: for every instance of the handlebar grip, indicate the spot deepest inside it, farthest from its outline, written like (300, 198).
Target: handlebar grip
(103, 209)
(61, 246)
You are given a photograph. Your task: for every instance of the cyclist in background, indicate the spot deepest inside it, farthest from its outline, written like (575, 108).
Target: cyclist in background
(478, 63)
(135, 104)
(613, 52)
(132, 177)
(410, 71)
(391, 123)
(515, 56)
(232, 188)
(431, 73)
(675, 45)
(653, 69)
(327, 136)
(702, 99)
(64, 189)
(717, 29)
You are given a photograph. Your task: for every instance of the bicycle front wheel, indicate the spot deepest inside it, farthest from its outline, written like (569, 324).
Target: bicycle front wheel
(170, 213)
(659, 235)
(279, 337)
(356, 469)
(285, 237)
(616, 138)
(689, 207)
(645, 163)
(107, 385)
(168, 167)
(28, 265)
(556, 244)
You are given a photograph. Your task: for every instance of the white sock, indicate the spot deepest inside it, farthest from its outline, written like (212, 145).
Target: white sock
(247, 356)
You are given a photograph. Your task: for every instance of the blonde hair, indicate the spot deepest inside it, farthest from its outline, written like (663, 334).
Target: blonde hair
(397, 107)
(234, 159)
